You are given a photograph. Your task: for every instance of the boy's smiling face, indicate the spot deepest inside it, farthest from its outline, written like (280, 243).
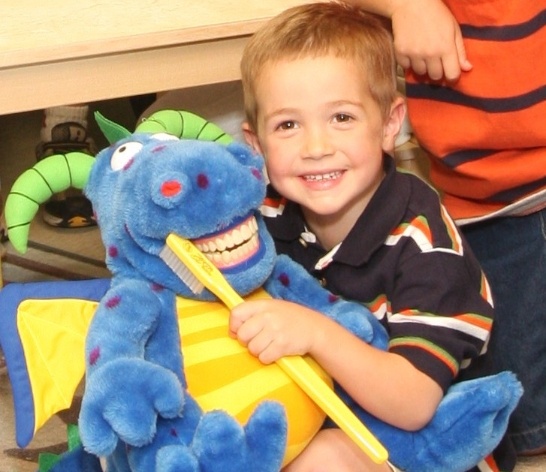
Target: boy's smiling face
(323, 136)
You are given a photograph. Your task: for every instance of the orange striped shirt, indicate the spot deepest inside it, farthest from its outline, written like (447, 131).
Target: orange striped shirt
(486, 133)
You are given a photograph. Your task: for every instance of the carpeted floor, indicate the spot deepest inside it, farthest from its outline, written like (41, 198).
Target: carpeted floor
(56, 254)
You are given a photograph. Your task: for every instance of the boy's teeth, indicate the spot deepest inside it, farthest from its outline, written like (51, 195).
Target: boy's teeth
(328, 176)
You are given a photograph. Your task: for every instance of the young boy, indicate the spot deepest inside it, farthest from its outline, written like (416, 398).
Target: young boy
(322, 107)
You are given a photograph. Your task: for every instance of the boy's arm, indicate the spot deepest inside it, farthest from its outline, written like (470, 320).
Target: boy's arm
(384, 384)
(427, 38)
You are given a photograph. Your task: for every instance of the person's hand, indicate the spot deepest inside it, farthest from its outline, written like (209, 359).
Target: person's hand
(271, 329)
(428, 39)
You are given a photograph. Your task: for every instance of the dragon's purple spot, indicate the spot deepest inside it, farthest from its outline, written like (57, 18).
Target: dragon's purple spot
(113, 302)
(94, 355)
(174, 433)
(159, 148)
(256, 173)
(202, 181)
(332, 298)
(113, 251)
(284, 279)
(157, 287)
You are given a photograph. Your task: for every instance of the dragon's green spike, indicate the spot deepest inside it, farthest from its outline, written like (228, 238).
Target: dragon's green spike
(112, 131)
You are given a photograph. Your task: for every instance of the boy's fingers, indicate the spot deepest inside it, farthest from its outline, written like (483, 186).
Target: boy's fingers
(258, 347)
(238, 316)
(249, 329)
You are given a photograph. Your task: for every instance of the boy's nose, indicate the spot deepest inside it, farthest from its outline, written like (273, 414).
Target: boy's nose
(317, 143)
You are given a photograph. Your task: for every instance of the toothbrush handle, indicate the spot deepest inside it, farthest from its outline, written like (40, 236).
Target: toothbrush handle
(320, 392)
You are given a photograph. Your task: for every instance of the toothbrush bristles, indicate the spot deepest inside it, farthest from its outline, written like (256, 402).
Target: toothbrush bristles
(181, 270)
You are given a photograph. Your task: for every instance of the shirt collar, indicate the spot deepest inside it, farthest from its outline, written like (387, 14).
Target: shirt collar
(382, 215)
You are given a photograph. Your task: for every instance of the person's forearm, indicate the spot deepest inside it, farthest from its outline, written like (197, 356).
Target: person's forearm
(384, 384)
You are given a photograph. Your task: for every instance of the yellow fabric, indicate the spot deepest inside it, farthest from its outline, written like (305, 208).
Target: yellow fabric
(221, 374)
(53, 337)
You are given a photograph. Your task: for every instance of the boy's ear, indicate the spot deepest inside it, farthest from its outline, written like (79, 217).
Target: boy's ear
(251, 137)
(393, 124)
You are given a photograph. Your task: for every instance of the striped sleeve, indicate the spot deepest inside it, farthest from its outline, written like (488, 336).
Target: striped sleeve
(441, 312)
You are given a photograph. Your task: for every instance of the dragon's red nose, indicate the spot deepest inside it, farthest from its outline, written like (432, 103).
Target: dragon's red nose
(170, 188)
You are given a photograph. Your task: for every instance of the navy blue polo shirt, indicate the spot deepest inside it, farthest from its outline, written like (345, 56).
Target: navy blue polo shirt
(406, 261)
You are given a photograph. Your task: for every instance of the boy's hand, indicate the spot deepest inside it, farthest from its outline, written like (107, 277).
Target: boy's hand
(428, 39)
(271, 329)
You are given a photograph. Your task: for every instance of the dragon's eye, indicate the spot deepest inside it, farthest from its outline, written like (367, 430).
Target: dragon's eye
(124, 154)
(165, 137)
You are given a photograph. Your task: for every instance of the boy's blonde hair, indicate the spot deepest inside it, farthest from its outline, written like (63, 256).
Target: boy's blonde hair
(319, 29)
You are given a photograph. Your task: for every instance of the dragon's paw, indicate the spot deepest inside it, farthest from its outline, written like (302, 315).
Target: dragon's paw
(360, 321)
(484, 403)
(221, 444)
(468, 424)
(122, 400)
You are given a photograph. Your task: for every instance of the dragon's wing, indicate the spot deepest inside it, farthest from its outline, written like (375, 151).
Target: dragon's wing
(34, 317)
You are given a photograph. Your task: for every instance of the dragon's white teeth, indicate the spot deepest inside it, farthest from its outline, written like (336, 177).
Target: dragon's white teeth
(228, 239)
(237, 237)
(217, 245)
(246, 232)
(215, 258)
(228, 257)
(231, 239)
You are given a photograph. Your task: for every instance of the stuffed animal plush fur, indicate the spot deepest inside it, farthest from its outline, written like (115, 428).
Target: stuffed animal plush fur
(137, 410)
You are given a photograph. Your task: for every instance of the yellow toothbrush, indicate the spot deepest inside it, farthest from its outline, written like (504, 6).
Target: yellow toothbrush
(196, 271)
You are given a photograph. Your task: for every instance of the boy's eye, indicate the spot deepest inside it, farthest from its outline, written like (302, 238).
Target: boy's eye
(287, 125)
(342, 118)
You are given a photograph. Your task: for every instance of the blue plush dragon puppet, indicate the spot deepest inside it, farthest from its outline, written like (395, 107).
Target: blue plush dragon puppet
(147, 404)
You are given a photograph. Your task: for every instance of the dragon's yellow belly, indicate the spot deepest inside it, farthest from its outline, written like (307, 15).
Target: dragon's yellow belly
(222, 374)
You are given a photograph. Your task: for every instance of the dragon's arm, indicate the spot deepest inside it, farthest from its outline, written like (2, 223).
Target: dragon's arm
(130, 348)
(126, 321)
